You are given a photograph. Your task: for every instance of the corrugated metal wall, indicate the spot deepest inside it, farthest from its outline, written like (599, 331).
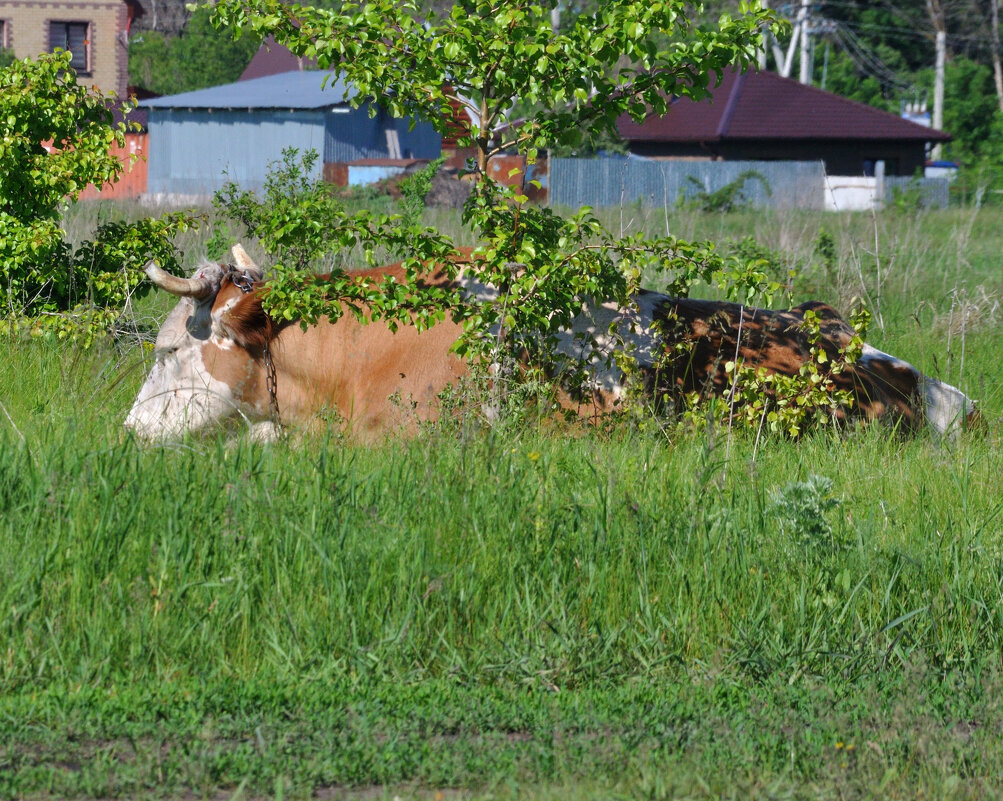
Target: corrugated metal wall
(194, 152)
(614, 181)
(932, 192)
(353, 134)
(132, 180)
(793, 184)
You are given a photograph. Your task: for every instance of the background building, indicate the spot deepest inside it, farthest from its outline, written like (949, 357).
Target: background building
(96, 32)
(760, 116)
(200, 140)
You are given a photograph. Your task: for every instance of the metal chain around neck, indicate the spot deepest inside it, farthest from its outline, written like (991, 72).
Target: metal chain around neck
(270, 385)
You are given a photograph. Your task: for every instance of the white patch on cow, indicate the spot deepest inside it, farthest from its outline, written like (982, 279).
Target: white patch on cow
(220, 335)
(475, 291)
(180, 395)
(174, 332)
(265, 431)
(945, 407)
(870, 354)
(223, 343)
(600, 331)
(596, 334)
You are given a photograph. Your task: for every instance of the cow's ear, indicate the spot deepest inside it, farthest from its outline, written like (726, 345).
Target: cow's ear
(247, 324)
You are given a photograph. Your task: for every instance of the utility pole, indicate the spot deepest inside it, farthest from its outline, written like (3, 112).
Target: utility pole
(762, 53)
(800, 35)
(805, 76)
(783, 61)
(938, 91)
(994, 10)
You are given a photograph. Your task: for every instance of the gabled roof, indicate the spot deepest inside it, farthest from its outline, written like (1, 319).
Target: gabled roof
(763, 105)
(288, 90)
(273, 58)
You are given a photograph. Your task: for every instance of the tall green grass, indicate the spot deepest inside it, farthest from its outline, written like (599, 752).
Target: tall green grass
(530, 559)
(696, 600)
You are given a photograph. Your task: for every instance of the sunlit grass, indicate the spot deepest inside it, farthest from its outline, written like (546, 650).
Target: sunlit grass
(517, 611)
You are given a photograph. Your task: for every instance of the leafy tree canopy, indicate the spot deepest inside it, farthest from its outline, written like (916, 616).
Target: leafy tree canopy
(622, 56)
(201, 56)
(55, 139)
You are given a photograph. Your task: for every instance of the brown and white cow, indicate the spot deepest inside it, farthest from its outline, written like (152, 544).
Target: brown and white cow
(214, 347)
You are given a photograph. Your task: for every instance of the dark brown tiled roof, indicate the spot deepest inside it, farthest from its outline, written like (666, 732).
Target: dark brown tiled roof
(762, 105)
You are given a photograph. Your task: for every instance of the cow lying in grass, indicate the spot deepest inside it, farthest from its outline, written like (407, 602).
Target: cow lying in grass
(220, 356)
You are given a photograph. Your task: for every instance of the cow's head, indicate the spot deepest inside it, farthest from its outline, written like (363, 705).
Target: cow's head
(202, 373)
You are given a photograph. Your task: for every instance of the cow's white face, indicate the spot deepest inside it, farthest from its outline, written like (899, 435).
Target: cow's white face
(184, 391)
(946, 408)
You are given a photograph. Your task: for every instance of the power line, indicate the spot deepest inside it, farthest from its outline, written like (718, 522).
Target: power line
(899, 30)
(867, 60)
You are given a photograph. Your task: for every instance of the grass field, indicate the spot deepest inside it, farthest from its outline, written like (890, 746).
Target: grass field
(516, 613)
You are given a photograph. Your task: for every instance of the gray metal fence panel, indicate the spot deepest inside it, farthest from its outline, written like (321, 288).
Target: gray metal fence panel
(613, 181)
(930, 192)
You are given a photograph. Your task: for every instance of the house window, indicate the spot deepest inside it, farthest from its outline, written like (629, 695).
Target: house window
(4, 34)
(75, 37)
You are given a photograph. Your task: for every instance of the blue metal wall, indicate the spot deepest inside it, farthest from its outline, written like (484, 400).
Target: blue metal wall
(421, 143)
(194, 152)
(364, 174)
(352, 134)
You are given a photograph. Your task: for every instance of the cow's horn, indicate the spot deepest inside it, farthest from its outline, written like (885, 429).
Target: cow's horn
(187, 287)
(245, 262)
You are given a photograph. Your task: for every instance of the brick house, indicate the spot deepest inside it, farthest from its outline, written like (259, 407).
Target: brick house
(95, 31)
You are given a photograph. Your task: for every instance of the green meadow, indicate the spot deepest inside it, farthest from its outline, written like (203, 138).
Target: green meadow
(520, 612)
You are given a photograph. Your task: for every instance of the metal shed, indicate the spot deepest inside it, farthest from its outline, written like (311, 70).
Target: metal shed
(199, 140)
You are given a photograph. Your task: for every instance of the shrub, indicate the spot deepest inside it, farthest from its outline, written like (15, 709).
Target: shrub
(56, 138)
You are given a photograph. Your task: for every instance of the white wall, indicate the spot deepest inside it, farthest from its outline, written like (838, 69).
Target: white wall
(851, 193)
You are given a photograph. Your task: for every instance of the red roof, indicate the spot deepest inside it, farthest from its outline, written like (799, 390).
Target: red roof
(272, 59)
(762, 105)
